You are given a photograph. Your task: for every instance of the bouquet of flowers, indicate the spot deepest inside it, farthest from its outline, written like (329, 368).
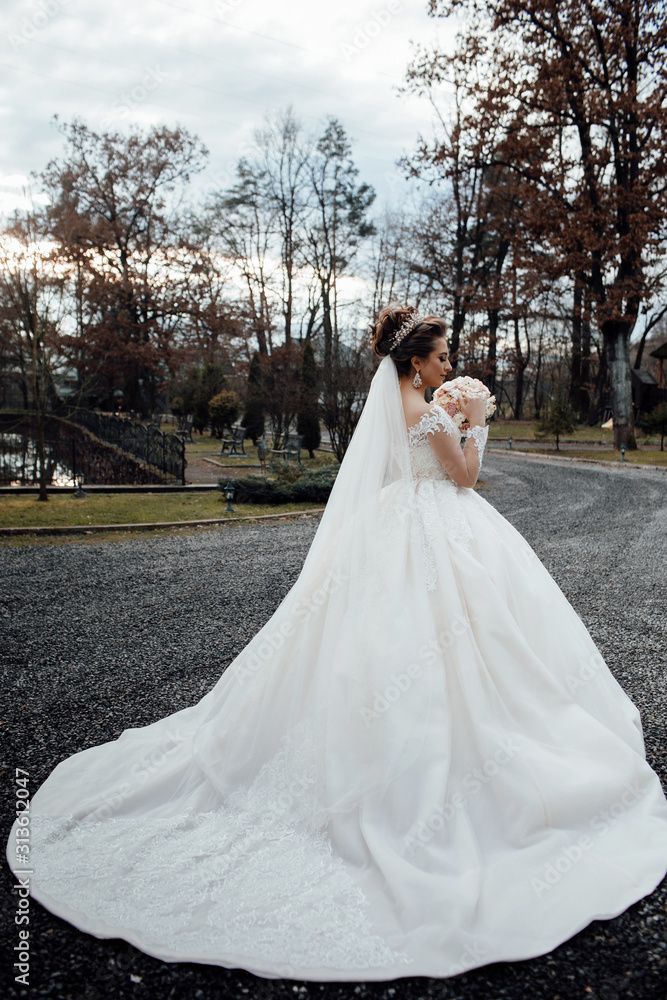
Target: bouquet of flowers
(450, 395)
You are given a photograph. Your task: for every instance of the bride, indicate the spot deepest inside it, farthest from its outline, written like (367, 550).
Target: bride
(420, 764)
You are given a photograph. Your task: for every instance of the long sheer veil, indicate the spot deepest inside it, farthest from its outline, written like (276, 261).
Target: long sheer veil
(321, 665)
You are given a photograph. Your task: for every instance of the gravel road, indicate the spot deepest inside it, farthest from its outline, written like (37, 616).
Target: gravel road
(101, 637)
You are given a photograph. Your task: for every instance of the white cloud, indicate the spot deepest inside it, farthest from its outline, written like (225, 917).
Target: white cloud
(215, 68)
(17, 192)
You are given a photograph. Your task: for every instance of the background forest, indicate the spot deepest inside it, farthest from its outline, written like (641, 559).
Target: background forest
(533, 219)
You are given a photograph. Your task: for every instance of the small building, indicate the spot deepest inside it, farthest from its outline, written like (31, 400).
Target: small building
(660, 353)
(644, 392)
(647, 391)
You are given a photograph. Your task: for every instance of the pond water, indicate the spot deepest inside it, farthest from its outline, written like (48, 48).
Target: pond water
(19, 462)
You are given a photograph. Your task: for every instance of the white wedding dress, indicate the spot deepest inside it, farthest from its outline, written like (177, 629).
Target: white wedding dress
(421, 763)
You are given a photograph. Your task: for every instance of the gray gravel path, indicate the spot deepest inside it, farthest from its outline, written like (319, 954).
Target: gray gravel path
(101, 637)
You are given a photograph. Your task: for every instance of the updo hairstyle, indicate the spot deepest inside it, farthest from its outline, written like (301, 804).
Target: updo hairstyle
(418, 342)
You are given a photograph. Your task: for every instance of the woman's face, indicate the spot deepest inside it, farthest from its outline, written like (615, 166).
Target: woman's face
(433, 369)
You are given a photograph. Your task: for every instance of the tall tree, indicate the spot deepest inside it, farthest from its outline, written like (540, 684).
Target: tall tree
(350, 381)
(588, 84)
(336, 223)
(244, 220)
(32, 315)
(281, 389)
(283, 155)
(308, 420)
(253, 417)
(208, 323)
(393, 268)
(468, 231)
(115, 216)
(518, 354)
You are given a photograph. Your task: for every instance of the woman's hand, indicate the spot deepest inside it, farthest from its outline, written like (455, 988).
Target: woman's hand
(474, 410)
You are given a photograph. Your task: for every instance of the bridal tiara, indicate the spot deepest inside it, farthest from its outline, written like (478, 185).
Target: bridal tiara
(406, 327)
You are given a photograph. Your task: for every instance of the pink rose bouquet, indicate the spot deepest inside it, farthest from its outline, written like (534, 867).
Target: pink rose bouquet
(450, 395)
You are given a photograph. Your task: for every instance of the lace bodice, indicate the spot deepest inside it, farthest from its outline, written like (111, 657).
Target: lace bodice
(423, 460)
(434, 498)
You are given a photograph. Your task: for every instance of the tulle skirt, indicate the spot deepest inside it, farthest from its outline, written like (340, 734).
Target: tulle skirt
(412, 770)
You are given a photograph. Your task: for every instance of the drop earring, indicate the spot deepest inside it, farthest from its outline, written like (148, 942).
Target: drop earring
(417, 380)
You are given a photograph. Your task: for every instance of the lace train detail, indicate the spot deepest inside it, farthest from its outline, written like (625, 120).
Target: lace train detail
(256, 877)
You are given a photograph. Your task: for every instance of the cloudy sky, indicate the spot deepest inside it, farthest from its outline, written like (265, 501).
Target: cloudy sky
(215, 67)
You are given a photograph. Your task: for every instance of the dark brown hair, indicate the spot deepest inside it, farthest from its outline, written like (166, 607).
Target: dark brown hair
(418, 342)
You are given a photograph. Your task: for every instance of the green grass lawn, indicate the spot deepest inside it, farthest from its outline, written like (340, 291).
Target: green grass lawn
(124, 508)
(205, 444)
(498, 429)
(502, 428)
(526, 429)
(641, 456)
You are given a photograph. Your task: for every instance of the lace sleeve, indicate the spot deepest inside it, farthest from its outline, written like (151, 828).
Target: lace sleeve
(437, 419)
(479, 436)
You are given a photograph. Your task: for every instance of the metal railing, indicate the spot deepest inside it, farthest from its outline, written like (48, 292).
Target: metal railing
(165, 452)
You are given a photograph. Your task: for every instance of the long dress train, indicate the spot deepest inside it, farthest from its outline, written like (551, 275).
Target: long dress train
(421, 764)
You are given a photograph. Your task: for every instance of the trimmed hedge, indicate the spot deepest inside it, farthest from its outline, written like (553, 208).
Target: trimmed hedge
(312, 486)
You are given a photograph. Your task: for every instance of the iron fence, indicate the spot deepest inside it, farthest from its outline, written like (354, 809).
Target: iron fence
(165, 452)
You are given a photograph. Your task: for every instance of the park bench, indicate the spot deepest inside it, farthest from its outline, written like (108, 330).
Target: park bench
(155, 421)
(292, 447)
(185, 430)
(235, 442)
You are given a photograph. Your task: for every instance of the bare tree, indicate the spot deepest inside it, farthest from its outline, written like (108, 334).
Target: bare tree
(335, 224)
(32, 313)
(244, 219)
(116, 218)
(283, 158)
(349, 380)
